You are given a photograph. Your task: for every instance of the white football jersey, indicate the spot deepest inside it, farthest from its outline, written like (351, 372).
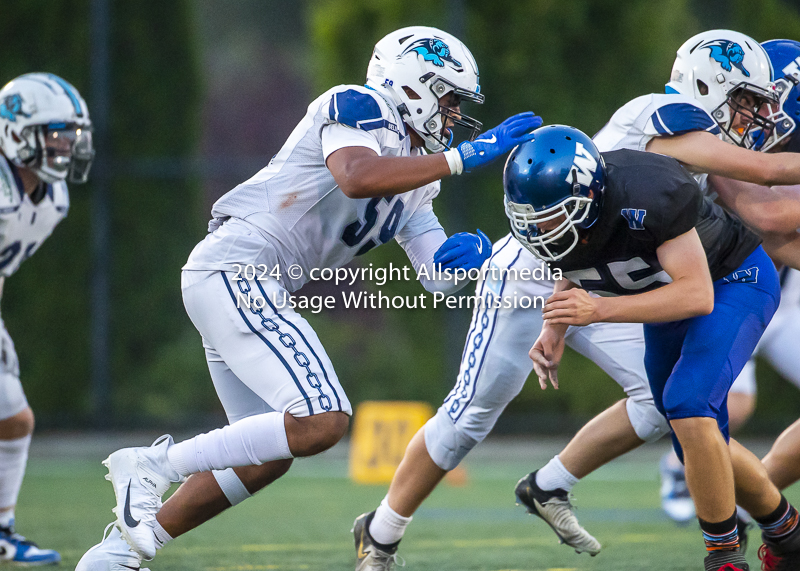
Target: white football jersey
(293, 213)
(634, 125)
(23, 224)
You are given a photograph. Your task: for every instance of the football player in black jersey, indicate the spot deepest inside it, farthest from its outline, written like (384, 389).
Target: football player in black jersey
(634, 224)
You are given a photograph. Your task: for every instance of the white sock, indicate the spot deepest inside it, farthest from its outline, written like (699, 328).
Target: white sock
(388, 526)
(13, 457)
(7, 518)
(554, 476)
(162, 537)
(248, 442)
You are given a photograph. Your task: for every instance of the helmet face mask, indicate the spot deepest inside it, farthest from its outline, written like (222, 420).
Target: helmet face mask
(785, 58)
(745, 108)
(548, 245)
(45, 127)
(416, 68)
(57, 152)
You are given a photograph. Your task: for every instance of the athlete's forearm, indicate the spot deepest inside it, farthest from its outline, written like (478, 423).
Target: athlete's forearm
(563, 285)
(784, 249)
(764, 209)
(703, 152)
(365, 174)
(559, 329)
(684, 298)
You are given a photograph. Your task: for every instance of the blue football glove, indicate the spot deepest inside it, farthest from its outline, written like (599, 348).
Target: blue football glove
(463, 251)
(498, 141)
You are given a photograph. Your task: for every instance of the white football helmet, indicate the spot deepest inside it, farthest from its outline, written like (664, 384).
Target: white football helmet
(45, 126)
(416, 66)
(717, 68)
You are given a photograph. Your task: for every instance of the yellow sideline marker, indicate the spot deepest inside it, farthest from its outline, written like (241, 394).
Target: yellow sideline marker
(381, 432)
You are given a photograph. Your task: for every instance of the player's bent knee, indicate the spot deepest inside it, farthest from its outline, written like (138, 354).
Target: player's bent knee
(17, 426)
(647, 422)
(446, 444)
(310, 435)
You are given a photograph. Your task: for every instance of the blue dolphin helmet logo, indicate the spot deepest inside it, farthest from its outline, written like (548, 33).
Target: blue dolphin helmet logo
(433, 50)
(728, 54)
(11, 107)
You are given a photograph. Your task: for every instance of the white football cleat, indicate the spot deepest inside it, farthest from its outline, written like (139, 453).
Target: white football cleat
(676, 501)
(140, 476)
(112, 554)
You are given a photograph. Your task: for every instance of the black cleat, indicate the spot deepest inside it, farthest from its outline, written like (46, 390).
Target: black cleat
(783, 555)
(555, 508)
(726, 561)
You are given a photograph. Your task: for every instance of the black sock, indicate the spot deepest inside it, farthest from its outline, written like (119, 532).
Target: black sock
(780, 522)
(721, 536)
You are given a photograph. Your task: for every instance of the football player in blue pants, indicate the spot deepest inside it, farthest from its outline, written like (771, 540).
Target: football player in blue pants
(705, 128)
(354, 174)
(707, 290)
(45, 140)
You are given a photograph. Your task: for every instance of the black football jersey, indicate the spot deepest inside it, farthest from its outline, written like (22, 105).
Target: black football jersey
(649, 199)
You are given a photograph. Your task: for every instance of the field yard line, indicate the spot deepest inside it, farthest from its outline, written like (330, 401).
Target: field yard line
(428, 544)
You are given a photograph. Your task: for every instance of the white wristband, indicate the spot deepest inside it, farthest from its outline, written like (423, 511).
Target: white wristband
(454, 161)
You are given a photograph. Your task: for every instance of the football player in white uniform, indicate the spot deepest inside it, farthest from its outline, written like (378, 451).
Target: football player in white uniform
(720, 81)
(45, 139)
(352, 175)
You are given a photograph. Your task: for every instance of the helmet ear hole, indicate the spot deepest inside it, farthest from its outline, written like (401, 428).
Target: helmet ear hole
(411, 93)
(702, 87)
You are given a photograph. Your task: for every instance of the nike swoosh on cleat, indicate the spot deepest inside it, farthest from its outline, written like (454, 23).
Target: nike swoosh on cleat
(490, 141)
(129, 567)
(129, 521)
(361, 553)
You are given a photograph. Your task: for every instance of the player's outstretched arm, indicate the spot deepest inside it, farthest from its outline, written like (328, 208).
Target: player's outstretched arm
(691, 292)
(701, 151)
(767, 210)
(361, 173)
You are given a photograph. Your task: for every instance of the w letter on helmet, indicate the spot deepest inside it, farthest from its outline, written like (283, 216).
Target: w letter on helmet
(585, 166)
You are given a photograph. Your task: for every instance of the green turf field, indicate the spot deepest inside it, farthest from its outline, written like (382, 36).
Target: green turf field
(303, 521)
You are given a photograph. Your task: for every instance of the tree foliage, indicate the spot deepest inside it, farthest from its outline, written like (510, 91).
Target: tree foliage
(155, 92)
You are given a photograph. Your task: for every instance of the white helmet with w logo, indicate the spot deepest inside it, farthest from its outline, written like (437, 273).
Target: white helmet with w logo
(415, 67)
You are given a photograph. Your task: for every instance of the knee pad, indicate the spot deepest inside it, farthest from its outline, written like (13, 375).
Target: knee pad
(231, 486)
(649, 424)
(446, 444)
